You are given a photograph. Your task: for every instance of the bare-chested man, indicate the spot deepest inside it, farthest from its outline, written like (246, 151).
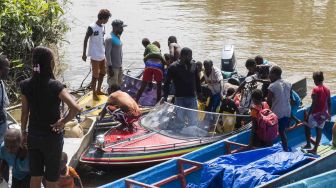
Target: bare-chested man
(174, 49)
(123, 101)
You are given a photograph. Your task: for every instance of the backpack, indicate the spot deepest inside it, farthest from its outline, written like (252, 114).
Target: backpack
(267, 121)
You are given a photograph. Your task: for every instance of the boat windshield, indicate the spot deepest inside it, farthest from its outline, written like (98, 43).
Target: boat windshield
(180, 122)
(132, 83)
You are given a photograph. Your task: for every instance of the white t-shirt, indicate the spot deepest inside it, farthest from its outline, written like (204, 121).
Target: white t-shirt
(281, 98)
(96, 43)
(213, 80)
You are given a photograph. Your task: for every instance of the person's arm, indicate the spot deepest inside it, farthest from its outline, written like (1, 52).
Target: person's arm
(167, 84)
(108, 55)
(198, 85)
(313, 96)
(239, 88)
(270, 98)
(78, 182)
(24, 118)
(172, 51)
(86, 38)
(74, 109)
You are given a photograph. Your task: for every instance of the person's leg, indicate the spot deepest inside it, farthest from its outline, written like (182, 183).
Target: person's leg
(318, 140)
(307, 133)
(102, 73)
(120, 76)
(52, 153)
(146, 78)
(158, 91)
(216, 102)
(180, 112)
(36, 161)
(112, 80)
(191, 111)
(283, 123)
(35, 182)
(95, 76)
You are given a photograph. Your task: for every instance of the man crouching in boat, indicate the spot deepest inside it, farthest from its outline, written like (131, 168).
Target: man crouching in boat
(119, 100)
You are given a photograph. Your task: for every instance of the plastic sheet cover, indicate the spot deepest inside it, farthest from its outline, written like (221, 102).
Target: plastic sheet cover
(249, 169)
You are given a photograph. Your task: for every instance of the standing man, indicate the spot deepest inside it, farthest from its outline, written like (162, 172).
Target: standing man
(4, 102)
(278, 98)
(95, 33)
(214, 80)
(114, 54)
(187, 85)
(174, 49)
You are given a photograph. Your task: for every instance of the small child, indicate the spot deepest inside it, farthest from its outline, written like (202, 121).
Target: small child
(68, 176)
(257, 98)
(319, 111)
(228, 106)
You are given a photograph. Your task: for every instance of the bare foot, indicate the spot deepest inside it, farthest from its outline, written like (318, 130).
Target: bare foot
(312, 151)
(306, 146)
(95, 97)
(100, 93)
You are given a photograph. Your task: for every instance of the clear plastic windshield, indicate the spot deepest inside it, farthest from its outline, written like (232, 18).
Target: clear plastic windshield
(132, 83)
(177, 121)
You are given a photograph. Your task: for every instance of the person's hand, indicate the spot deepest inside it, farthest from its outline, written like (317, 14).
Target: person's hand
(58, 126)
(84, 57)
(110, 71)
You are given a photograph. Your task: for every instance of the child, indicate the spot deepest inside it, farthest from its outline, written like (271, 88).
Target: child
(95, 33)
(16, 156)
(319, 111)
(258, 105)
(278, 98)
(68, 176)
(228, 106)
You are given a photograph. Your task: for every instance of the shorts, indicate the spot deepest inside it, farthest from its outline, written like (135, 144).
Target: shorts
(121, 116)
(283, 124)
(312, 123)
(45, 154)
(98, 68)
(151, 74)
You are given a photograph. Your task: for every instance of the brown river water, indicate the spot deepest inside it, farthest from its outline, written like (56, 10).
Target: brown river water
(298, 35)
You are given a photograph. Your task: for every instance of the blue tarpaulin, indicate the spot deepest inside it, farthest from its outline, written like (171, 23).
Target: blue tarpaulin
(249, 169)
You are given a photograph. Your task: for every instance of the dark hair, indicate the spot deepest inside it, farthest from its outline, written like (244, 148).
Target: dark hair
(145, 42)
(43, 58)
(167, 57)
(64, 157)
(104, 14)
(185, 52)
(172, 39)
(3, 60)
(230, 91)
(250, 63)
(156, 43)
(208, 62)
(318, 76)
(276, 70)
(257, 95)
(259, 60)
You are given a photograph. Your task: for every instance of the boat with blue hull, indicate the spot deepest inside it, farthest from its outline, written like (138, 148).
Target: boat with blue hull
(188, 169)
(327, 179)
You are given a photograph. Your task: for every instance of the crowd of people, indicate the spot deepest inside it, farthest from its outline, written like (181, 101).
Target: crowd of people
(181, 76)
(35, 152)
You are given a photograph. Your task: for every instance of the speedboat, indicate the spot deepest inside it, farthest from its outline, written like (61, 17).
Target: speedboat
(167, 131)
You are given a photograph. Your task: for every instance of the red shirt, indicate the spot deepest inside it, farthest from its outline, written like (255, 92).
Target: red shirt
(322, 94)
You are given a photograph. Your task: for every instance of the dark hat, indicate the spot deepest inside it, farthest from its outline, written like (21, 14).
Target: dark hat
(118, 23)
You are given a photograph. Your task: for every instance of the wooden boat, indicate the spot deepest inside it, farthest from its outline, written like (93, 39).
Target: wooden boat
(327, 179)
(77, 134)
(155, 139)
(187, 169)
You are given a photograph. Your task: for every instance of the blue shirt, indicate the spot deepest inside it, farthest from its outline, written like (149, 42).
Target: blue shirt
(20, 167)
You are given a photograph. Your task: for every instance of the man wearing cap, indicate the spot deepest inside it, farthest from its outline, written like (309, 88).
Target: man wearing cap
(114, 54)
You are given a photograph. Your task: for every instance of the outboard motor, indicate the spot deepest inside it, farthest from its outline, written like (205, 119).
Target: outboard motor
(228, 59)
